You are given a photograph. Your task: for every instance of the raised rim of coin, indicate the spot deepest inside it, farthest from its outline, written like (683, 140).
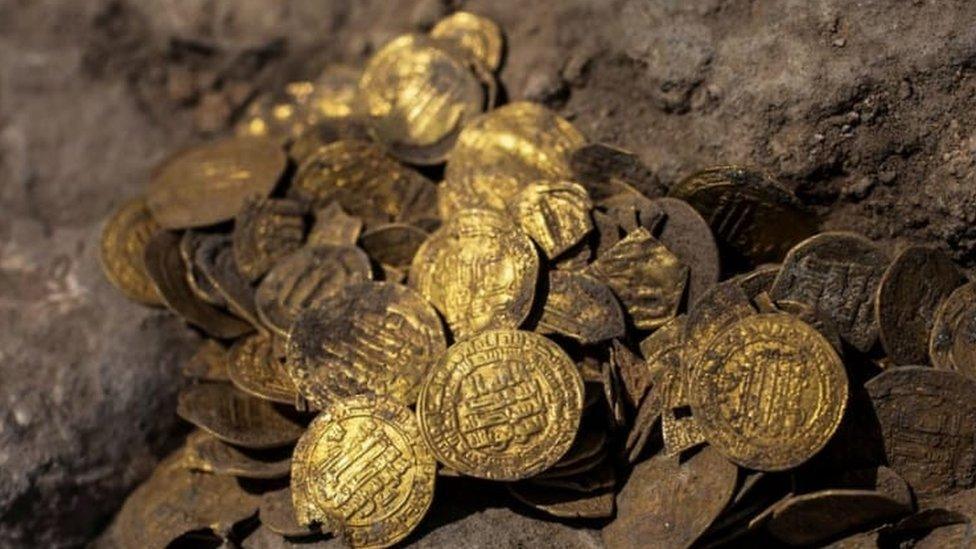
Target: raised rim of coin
(122, 249)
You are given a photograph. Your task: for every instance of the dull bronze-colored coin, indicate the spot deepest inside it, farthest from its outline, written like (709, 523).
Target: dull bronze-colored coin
(687, 235)
(201, 286)
(634, 374)
(663, 351)
(366, 182)
(599, 477)
(417, 97)
(206, 453)
(479, 271)
(769, 392)
(581, 307)
(915, 284)
(215, 260)
(265, 231)
(648, 279)
(208, 363)
(373, 337)
(323, 133)
(605, 171)
(502, 405)
(953, 341)
(759, 280)
(335, 93)
(277, 512)
(667, 503)
(256, 369)
(209, 183)
(123, 250)
(755, 218)
(394, 244)
(501, 151)
(928, 420)
(811, 519)
(631, 210)
(719, 306)
(362, 469)
(235, 417)
(479, 36)
(642, 427)
(564, 503)
(334, 227)
(805, 312)
(588, 450)
(168, 272)
(555, 214)
(305, 279)
(838, 274)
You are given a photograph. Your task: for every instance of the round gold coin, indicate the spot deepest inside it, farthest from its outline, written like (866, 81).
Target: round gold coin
(123, 249)
(952, 345)
(363, 470)
(769, 392)
(501, 151)
(479, 271)
(502, 405)
(373, 337)
(479, 36)
(417, 97)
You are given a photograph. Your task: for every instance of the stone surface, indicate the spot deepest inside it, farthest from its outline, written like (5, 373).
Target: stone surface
(863, 108)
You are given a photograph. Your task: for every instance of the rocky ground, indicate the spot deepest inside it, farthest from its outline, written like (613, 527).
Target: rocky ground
(864, 108)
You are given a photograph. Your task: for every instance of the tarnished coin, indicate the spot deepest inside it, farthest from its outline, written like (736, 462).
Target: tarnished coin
(759, 280)
(811, 519)
(204, 452)
(928, 420)
(335, 93)
(564, 503)
(417, 98)
(755, 218)
(168, 272)
(394, 244)
(687, 235)
(648, 279)
(305, 279)
(286, 115)
(769, 392)
(123, 249)
(605, 171)
(256, 369)
(265, 231)
(588, 450)
(334, 227)
(581, 307)
(373, 337)
(953, 341)
(631, 210)
(277, 513)
(199, 283)
(915, 284)
(663, 351)
(479, 36)
(667, 503)
(323, 133)
(479, 271)
(502, 405)
(237, 418)
(501, 151)
(555, 214)
(634, 374)
(363, 470)
(719, 306)
(215, 260)
(366, 182)
(599, 477)
(209, 183)
(838, 274)
(208, 363)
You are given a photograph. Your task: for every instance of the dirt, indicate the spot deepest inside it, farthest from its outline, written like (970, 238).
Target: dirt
(863, 108)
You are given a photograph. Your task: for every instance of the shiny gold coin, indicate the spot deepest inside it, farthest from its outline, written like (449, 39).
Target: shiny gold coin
(373, 337)
(555, 214)
(362, 469)
(365, 182)
(581, 307)
(306, 278)
(235, 417)
(479, 36)
(265, 231)
(769, 392)
(205, 452)
(417, 97)
(334, 227)
(479, 271)
(123, 249)
(953, 341)
(501, 151)
(209, 183)
(502, 405)
(648, 279)
(256, 369)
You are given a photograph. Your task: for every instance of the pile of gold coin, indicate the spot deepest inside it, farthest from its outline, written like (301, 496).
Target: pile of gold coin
(693, 366)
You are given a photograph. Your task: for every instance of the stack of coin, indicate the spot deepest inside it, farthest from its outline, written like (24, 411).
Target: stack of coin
(548, 315)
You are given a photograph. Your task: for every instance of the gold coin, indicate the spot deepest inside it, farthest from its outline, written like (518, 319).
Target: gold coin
(235, 417)
(202, 287)
(255, 368)
(502, 405)
(265, 231)
(953, 341)
(648, 279)
(479, 271)
(581, 307)
(306, 278)
(123, 250)
(334, 227)
(215, 260)
(373, 337)
(362, 469)
(479, 36)
(769, 392)
(555, 214)
(393, 244)
(335, 93)
(417, 97)
(205, 452)
(501, 151)
(208, 184)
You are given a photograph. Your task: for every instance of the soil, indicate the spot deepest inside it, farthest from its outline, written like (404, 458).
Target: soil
(863, 108)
